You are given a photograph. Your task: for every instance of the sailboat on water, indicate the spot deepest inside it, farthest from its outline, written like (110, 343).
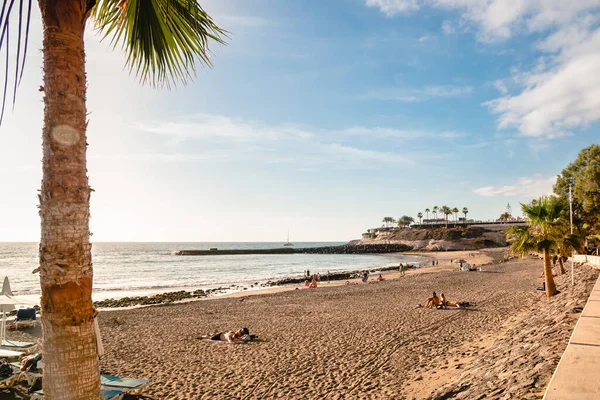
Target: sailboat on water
(288, 243)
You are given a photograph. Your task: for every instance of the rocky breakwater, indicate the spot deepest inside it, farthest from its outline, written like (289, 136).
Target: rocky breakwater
(161, 298)
(358, 248)
(439, 239)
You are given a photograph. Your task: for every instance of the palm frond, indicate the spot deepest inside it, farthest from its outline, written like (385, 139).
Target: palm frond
(163, 39)
(24, 18)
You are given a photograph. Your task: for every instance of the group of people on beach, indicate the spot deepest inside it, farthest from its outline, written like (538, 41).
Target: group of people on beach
(311, 285)
(442, 303)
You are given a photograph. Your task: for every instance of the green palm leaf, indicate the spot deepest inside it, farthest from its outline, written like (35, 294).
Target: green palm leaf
(163, 39)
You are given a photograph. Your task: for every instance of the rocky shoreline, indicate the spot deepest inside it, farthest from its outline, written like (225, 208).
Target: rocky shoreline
(171, 297)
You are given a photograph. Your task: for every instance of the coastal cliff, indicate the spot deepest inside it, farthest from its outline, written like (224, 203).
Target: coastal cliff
(438, 239)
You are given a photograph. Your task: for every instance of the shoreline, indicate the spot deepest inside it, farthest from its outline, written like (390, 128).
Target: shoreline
(477, 258)
(271, 286)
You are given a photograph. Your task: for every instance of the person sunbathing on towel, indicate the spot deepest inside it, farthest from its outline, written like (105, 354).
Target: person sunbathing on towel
(432, 301)
(231, 337)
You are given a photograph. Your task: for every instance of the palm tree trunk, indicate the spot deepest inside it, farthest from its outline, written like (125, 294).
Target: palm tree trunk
(561, 266)
(69, 349)
(550, 286)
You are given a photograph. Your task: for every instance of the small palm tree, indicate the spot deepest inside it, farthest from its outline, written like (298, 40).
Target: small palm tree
(420, 215)
(405, 221)
(388, 221)
(455, 212)
(435, 211)
(164, 40)
(505, 216)
(427, 210)
(546, 222)
(446, 211)
(465, 211)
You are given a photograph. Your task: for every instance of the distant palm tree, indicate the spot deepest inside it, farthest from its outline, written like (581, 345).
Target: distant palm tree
(420, 215)
(465, 211)
(435, 211)
(388, 221)
(405, 221)
(427, 210)
(446, 211)
(455, 212)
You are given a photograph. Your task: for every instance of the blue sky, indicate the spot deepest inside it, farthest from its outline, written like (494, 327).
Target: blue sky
(324, 117)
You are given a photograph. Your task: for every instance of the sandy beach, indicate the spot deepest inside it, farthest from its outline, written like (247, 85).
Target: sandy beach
(364, 341)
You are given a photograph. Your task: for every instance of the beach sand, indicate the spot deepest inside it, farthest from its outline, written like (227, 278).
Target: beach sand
(364, 341)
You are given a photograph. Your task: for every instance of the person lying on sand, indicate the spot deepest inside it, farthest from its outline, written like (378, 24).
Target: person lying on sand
(444, 303)
(432, 301)
(231, 337)
(380, 278)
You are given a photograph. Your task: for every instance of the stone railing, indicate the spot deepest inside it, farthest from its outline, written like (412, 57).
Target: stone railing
(582, 258)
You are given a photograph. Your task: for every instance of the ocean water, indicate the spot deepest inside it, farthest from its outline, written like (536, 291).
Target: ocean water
(125, 269)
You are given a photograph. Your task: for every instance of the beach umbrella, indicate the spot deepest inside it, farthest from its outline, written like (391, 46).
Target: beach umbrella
(7, 303)
(99, 346)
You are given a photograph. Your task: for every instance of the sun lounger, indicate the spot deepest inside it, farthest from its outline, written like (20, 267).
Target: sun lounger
(9, 381)
(25, 318)
(106, 395)
(125, 385)
(10, 353)
(31, 376)
(16, 345)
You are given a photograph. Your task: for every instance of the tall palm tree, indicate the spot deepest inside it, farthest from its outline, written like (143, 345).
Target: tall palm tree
(446, 211)
(465, 211)
(455, 212)
(427, 210)
(420, 215)
(163, 40)
(546, 222)
(435, 211)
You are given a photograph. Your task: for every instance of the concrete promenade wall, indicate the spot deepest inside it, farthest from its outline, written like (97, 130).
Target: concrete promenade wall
(576, 376)
(582, 258)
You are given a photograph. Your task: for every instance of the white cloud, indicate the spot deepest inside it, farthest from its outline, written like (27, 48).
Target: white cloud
(410, 95)
(499, 19)
(501, 86)
(525, 187)
(226, 138)
(393, 7)
(561, 92)
(218, 126)
(448, 28)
